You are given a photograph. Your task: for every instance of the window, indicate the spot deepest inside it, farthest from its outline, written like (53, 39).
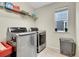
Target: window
(61, 18)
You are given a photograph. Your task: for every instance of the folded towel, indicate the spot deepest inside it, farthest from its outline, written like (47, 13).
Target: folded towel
(2, 47)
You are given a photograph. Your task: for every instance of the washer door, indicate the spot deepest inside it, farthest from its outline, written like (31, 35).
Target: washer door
(26, 46)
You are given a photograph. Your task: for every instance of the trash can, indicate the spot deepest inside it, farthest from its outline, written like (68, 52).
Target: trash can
(67, 46)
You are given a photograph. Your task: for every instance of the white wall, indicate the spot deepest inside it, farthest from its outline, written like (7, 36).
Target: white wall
(8, 19)
(46, 22)
(77, 28)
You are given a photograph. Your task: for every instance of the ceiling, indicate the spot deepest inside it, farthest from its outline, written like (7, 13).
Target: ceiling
(35, 5)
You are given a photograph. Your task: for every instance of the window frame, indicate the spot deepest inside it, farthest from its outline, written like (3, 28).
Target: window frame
(60, 10)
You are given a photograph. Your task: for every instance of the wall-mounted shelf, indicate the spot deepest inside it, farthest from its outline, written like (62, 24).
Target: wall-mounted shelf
(23, 13)
(16, 9)
(27, 14)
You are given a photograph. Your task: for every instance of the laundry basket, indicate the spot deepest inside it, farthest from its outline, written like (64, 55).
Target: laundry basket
(67, 46)
(7, 51)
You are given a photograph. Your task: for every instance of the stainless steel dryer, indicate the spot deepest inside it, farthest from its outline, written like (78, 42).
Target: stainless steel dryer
(24, 43)
(41, 39)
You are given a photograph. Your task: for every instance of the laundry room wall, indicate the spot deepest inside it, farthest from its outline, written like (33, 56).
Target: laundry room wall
(77, 29)
(9, 19)
(46, 22)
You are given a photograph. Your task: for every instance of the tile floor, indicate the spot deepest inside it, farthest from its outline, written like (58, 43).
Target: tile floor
(48, 52)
